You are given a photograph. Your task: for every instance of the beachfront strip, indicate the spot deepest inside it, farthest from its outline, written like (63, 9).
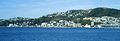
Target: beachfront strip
(99, 22)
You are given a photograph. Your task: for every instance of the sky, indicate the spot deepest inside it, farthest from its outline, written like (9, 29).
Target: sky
(38, 8)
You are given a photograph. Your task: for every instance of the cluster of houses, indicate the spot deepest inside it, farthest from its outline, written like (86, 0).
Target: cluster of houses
(105, 20)
(61, 23)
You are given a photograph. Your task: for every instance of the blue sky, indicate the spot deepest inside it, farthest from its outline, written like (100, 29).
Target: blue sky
(38, 8)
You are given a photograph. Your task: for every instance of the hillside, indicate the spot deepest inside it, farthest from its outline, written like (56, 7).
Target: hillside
(98, 12)
(71, 15)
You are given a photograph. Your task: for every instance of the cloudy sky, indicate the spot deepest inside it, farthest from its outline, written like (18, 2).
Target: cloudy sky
(38, 8)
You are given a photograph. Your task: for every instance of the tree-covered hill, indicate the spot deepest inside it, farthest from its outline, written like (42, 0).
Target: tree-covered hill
(98, 12)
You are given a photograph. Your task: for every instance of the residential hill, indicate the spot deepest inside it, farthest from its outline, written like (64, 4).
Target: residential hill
(79, 14)
(71, 15)
(96, 12)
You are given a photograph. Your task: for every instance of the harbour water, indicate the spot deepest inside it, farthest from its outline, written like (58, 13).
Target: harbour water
(59, 34)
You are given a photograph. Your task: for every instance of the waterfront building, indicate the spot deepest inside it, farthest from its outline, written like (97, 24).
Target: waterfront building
(87, 26)
(44, 25)
(92, 23)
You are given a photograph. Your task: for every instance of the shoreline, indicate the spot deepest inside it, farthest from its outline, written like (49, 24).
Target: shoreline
(65, 27)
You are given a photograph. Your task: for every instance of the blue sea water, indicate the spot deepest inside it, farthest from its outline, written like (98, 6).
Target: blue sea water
(59, 34)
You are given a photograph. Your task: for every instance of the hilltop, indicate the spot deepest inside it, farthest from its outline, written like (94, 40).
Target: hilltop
(98, 12)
